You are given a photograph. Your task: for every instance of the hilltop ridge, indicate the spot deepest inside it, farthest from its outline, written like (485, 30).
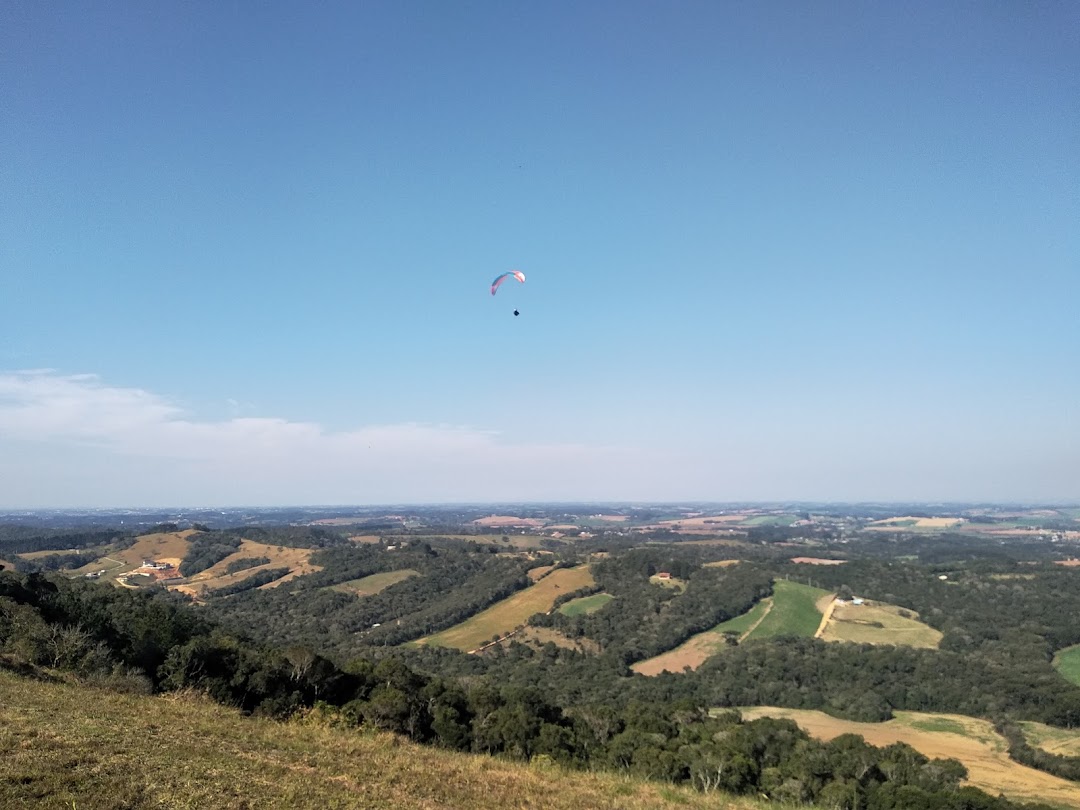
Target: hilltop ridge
(63, 745)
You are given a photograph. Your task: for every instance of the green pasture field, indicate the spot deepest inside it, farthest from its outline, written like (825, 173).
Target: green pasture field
(793, 613)
(586, 604)
(934, 723)
(502, 617)
(740, 624)
(371, 585)
(1067, 662)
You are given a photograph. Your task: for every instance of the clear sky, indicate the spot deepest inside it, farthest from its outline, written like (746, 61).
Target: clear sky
(785, 250)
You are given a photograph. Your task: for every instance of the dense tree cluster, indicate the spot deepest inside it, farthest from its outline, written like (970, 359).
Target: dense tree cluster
(55, 562)
(646, 619)
(452, 586)
(26, 539)
(207, 549)
(92, 629)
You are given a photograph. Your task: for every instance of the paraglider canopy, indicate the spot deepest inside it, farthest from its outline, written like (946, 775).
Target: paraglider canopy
(501, 278)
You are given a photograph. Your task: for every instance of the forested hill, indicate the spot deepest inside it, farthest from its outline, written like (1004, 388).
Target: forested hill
(133, 642)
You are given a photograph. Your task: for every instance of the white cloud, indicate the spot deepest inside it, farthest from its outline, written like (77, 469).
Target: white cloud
(73, 439)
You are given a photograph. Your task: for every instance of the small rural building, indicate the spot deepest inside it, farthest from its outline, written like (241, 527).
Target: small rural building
(856, 600)
(663, 575)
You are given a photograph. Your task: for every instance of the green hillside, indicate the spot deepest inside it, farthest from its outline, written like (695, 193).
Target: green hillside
(793, 611)
(68, 746)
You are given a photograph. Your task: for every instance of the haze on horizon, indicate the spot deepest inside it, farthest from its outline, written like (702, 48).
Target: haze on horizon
(773, 253)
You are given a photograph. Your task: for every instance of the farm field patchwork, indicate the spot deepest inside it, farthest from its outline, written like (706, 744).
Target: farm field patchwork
(878, 623)
(372, 584)
(970, 740)
(585, 604)
(502, 617)
(771, 520)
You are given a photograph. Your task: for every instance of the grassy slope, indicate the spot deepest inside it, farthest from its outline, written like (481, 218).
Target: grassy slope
(586, 604)
(1067, 662)
(502, 617)
(64, 746)
(372, 584)
(974, 742)
(853, 623)
(794, 612)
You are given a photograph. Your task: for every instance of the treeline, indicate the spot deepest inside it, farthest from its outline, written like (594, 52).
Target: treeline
(1008, 609)
(259, 578)
(146, 642)
(55, 562)
(452, 586)
(1034, 757)
(208, 547)
(25, 539)
(244, 563)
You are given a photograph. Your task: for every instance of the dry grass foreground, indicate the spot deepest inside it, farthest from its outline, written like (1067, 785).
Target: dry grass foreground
(848, 622)
(64, 746)
(974, 742)
(502, 617)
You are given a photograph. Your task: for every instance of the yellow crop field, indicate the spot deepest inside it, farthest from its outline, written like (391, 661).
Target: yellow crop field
(1062, 741)
(692, 653)
(536, 574)
(967, 739)
(877, 623)
(502, 617)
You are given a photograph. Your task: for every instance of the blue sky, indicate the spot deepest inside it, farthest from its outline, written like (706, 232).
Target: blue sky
(774, 251)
